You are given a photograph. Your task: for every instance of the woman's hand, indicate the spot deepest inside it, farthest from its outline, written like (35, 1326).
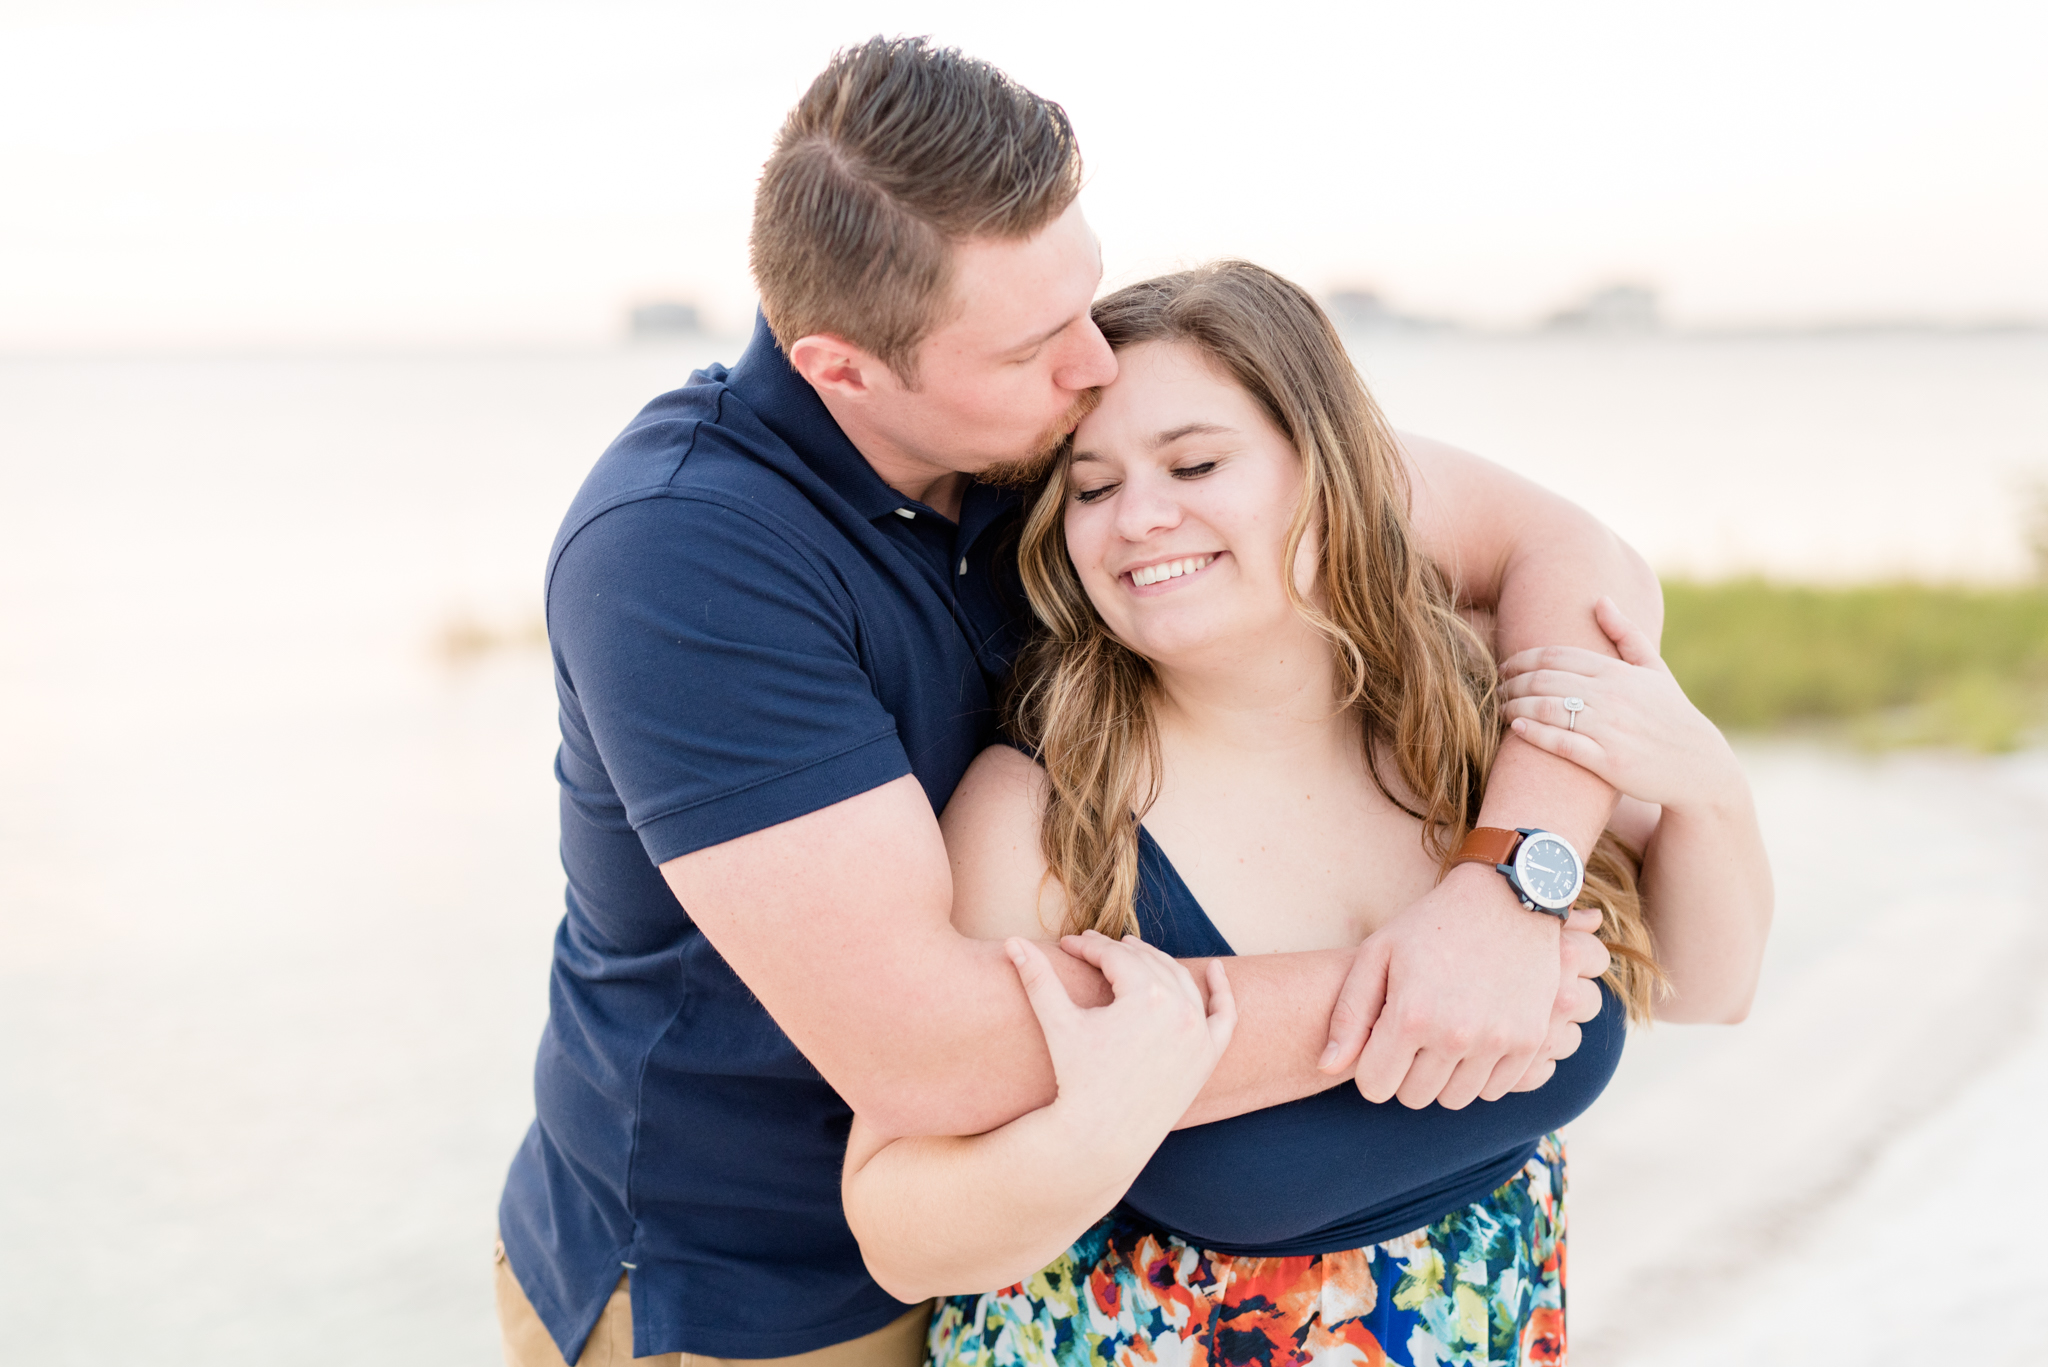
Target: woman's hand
(947, 1215)
(1706, 878)
(1638, 730)
(1127, 1071)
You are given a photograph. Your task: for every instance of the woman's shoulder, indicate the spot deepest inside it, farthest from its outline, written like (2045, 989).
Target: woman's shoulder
(1001, 884)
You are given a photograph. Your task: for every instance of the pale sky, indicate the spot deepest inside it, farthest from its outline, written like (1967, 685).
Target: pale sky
(518, 173)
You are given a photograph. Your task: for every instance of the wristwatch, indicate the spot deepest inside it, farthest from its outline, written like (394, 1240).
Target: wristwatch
(1541, 866)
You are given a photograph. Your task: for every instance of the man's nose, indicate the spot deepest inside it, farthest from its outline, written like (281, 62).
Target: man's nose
(1092, 364)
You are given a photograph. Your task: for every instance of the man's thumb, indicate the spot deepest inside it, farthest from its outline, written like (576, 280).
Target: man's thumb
(1358, 1007)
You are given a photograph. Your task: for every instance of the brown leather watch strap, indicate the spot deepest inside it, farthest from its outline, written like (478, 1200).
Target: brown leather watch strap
(1489, 845)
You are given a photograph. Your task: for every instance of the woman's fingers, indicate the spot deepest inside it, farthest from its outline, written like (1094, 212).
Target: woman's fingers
(1549, 709)
(1172, 969)
(1634, 644)
(1575, 746)
(1558, 659)
(1042, 986)
(1539, 683)
(1123, 963)
(1131, 966)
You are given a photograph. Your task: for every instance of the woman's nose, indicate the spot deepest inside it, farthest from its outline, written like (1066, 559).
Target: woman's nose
(1147, 505)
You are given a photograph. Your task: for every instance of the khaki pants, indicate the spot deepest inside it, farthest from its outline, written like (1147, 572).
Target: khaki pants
(527, 1344)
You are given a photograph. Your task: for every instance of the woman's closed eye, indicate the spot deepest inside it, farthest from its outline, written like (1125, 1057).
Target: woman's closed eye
(1092, 494)
(1194, 471)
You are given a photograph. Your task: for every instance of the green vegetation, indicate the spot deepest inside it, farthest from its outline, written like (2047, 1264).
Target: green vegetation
(1887, 664)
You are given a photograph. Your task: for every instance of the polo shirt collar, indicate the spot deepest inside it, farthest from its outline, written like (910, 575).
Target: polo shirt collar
(792, 410)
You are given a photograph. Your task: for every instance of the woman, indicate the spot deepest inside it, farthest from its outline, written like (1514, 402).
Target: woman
(1238, 645)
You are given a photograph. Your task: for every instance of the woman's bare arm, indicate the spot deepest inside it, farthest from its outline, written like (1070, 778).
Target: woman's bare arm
(1706, 875)
(941, 1216)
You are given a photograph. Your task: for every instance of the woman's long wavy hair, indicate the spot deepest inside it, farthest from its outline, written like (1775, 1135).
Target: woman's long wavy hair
(1419, 678)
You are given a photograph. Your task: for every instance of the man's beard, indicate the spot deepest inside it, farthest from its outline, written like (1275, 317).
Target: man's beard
(1026, 472)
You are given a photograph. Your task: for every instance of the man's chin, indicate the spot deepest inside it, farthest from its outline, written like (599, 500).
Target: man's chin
(1027, 472)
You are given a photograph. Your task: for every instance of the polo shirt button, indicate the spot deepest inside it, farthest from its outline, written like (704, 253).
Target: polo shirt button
(963, 564)
(906, 514)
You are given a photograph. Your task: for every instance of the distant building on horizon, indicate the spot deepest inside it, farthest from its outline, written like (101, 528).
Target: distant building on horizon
(1362, 310)
(1611, 308)
(664, 318)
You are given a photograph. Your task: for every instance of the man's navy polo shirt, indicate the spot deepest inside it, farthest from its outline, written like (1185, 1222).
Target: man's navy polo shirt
(746, 627)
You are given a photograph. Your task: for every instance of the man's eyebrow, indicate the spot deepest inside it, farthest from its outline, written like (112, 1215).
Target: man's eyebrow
(1044, 337)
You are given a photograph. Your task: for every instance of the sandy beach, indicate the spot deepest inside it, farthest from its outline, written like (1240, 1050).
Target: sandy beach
(1763, 1194)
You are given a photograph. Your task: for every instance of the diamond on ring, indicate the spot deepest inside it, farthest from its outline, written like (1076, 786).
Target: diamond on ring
(1572, 708)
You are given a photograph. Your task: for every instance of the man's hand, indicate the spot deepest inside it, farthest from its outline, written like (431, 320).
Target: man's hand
(1464, 995)
(1583, 958)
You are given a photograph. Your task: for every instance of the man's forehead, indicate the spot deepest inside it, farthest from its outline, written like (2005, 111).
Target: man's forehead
(1017, 292)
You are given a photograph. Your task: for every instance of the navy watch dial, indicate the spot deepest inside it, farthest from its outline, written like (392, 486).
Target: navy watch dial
(1548, 870)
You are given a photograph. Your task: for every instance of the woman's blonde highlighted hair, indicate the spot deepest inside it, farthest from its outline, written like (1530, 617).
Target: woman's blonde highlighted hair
(1420, 679)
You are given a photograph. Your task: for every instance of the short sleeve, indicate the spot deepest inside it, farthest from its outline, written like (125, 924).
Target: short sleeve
(710, 674)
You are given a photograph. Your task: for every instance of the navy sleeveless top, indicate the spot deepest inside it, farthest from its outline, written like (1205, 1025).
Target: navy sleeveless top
(1335, 1171)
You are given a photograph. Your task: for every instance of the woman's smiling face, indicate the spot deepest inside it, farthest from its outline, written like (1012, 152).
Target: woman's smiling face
(1180, 494)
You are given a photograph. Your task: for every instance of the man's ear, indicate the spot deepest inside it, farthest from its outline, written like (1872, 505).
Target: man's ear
(835, 366)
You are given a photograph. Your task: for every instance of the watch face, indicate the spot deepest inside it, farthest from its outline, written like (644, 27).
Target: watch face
(1548, 870)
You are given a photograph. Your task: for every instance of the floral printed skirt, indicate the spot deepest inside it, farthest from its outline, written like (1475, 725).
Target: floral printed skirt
(1483, 1285)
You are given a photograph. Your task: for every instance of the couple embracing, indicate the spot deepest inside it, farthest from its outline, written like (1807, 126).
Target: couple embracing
(1083, 845)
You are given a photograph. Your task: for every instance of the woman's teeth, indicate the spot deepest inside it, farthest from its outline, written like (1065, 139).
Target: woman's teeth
(1172, 569)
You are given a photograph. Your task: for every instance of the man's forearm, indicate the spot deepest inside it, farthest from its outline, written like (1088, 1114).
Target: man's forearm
(995, 1068)
(1283, 1019)
(924, 1030)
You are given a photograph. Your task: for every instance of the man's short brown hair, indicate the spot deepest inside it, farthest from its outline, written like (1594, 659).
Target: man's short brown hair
(898, 150)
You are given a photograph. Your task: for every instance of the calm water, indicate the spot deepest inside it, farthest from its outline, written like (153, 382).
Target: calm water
(277, 879)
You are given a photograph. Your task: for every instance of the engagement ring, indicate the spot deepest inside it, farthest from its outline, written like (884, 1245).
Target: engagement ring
(1572, 708)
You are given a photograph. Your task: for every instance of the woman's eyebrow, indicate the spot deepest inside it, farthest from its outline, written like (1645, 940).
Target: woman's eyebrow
(1167, 438)
(1190, 429)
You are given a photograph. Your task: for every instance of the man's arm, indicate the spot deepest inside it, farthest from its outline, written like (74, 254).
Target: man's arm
(713, 685)
(1453, 1000)
(840, 922)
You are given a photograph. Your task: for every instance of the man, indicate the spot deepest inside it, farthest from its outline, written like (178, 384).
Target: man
(779, 607)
